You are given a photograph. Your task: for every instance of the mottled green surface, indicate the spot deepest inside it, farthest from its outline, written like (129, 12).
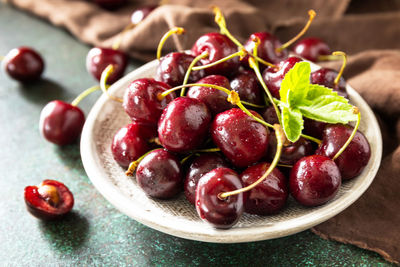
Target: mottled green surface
(96, 233)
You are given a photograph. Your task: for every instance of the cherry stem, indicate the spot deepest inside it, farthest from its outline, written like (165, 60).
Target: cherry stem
(175, 30)
(343, 148)
(103, 82)
(342, 54)
(311, 14)
(118, 42)
(327, 57)
(133, 165)
(207, 150)
(84, 94)
(186, 158)
(284, 165)
(280, 137)
(189, 70)
(241, 53)
(316, 140)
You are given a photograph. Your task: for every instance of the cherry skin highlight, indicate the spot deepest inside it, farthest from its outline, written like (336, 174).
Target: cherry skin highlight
(23, 64)
(159, 174)
(314, 180)
(219, 213)
(246, 84)
(48, 201)
(311, 48)
(141, 13)
(326, 77)
(61, 123)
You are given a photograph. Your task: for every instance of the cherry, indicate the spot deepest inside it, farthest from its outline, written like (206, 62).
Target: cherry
(269, 115)
(314, 128)
(218, 46)
(273, 76)
(270, 196)
(354, 158)
(130, 142)
(326, 77)
(141, 102)
(23, 64)
(172, 69)
(311, 48)
(110, 4)
(219, 213)
(246, 84)
(48, 201)
(314, 180)
(216, 100)
(243, 140)
(61, 123)
(141, 13)
(184, 124)
(200, 166)
(159, 174)
(99, 58)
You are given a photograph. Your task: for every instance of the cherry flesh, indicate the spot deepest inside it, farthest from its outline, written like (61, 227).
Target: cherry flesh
(246, 84)
(311, 48)
(48, 201)
(314, 180)
(141, 102)
(219, 213)
(241, 139)
(200, 166)
(326, 77)
(99, 58)
(184, 124)
(172, 69)
(270, 196)
(354, 158)
(110, 4)
(131, 142)
(273, 76)
(218, 46)
(159, 174)
(216, 100)
(61, 123)
(23, 64)
(141, 13)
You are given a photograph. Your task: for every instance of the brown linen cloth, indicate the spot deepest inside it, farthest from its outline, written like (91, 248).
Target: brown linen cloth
(371, 37)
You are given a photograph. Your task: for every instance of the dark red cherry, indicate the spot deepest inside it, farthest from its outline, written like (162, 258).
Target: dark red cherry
(141, 13)
(218, 46)
(216, 100)
(270, 196)
(61, 123)
(354, 158)
(200, 166)
(110, 4)
(48, 201)
(243, 140)
(172, 69)
(314, 128)
(326, 77)
(273, 77)
(159, 174)
(246, 84)
(99, 58)
(23, 64)
(314, 180)
(219, 213)
(270, 116)
(184, 124)
(311, 48)
(141, 102)
(130, 142)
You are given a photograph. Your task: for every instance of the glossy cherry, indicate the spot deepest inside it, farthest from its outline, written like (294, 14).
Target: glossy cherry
(219, 213)
(269, 115)
(326, 77)
(314, 180)
(311, 48)
(23, 64)
(48, 201)
(184, 124)
(110, 4)
(159, 174)
(141, 102)
(61, 123)
(246, 84)
(243, 140)
(172, 69)
(273, 76)
(216, 100)
(141, 13)
(314, 128)
(200, 166)
(270, 196)
(218, 46)
(99, 58)
(354, 158)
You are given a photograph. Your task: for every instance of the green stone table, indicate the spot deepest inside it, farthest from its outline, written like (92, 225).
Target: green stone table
(95, 233)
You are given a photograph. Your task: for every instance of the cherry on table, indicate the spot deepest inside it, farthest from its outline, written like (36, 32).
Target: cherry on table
(311, 48)
(246, 84)
(110, 4)
(48, 201)
(326, 77)
(23, 64)
(219, 213)
(141, 13)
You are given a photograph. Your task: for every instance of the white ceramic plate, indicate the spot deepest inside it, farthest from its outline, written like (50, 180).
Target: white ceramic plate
(178, 217)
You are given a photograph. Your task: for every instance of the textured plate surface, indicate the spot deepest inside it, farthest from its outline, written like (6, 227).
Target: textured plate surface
(178, 217)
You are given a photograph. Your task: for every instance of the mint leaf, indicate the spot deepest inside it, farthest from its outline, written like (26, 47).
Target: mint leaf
(294, 86)
(292, 123)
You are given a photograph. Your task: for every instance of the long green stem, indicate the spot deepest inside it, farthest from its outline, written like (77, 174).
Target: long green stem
(103, 82)
(206, 150)
(344, 56)
(175, 30)
(132, 167)
(240, 53)
(189, 70)
(252, 104)
(351, 136)
(84, 94)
